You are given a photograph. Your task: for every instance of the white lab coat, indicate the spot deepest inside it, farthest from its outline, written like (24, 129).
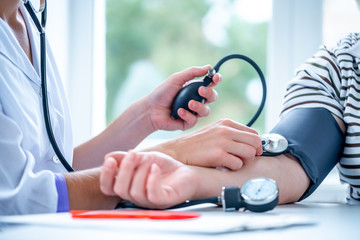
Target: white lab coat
(27, 163)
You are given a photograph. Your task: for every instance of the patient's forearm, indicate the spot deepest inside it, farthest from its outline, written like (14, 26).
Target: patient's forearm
(84, 191)
(288, 173)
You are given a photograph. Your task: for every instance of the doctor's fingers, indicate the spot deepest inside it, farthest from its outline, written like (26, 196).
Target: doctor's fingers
(202, 110)
(107, 176)
(233, 156)
(223, 133)
(242, 153)
(189, 119)
(252, 141)
(217, 78)
(228, 129)
(208, 93)
(235, 125)
(189, 74)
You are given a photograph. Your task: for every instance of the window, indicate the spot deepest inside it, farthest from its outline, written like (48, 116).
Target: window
(147, 41)
(339, 19)
(162, 47)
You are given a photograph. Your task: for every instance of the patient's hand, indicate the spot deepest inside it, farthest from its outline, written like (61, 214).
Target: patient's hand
(151, 179)
(224, 143)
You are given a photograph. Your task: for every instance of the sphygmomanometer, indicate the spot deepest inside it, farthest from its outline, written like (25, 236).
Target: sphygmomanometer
(314, 137)
(299, 132)
(257, 194)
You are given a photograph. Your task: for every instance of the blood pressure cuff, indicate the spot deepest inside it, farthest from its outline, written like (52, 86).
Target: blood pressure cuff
(315, 138)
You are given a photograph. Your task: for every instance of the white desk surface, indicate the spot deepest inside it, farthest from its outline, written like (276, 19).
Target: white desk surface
(316, 221)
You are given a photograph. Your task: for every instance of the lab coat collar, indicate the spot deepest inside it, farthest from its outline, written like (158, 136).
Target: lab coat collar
(11, 49)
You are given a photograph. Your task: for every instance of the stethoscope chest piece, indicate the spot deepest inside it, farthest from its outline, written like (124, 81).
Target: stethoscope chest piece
(274, 143)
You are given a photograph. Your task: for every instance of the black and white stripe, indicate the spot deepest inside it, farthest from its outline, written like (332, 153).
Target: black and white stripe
(331, 79)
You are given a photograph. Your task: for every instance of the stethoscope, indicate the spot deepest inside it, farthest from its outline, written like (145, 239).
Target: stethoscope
(41, 28)
(257, 194)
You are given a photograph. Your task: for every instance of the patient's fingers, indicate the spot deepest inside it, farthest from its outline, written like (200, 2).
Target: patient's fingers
(125, 175)
(138, 186)
(154, 191)
(107, 176)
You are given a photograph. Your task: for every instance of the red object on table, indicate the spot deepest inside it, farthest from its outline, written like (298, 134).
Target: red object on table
(140, 214)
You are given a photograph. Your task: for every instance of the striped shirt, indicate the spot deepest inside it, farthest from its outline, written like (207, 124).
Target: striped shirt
(331, 79)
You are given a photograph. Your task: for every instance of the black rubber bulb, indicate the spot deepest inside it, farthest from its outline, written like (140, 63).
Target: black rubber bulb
(189, 92)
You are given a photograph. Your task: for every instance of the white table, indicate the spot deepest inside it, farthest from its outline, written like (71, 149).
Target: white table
(316, 221)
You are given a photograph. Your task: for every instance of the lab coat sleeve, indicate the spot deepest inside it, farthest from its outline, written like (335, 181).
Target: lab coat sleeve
(22, 191)
(63, 197)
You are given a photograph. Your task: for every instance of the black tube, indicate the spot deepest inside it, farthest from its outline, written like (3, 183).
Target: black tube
(259, 72)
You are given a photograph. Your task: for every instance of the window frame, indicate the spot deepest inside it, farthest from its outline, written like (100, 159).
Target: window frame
(288, 48)
(76, 30)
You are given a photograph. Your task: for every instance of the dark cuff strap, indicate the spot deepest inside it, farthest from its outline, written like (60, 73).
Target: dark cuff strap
(315, 138)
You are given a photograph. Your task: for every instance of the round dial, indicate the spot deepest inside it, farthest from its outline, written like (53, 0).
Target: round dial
(260, 191)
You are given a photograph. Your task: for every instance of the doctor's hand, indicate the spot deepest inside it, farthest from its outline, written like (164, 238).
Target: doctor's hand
(151, 180)
(224, 143)
(160, 100)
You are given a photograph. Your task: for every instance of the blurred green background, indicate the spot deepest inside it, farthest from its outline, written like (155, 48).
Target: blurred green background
(147, 41)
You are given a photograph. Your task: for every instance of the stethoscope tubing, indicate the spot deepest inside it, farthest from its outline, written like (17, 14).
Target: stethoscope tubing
(44, 85)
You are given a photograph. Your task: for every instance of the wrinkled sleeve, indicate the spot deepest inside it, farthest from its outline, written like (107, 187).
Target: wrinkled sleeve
(317, 84)
(21, 190)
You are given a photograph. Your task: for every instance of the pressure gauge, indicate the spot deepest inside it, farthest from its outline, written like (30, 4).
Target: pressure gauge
(256, 195)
